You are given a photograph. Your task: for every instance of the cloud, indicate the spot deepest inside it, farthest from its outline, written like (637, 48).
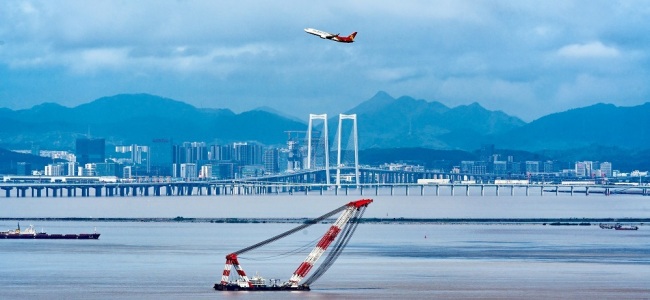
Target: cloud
(518, 56)
(392, 74)
(589, 50)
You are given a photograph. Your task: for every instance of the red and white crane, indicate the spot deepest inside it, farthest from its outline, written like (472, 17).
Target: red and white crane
(343, 228)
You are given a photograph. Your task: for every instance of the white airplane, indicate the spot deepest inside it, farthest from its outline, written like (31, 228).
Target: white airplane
(333, 37)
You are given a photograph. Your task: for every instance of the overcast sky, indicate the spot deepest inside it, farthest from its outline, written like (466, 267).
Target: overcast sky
(526, 58)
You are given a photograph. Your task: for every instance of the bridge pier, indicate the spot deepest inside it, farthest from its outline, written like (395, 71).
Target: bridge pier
(38, 191)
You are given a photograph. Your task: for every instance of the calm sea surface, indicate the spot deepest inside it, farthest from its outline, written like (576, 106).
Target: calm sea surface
(168, 260)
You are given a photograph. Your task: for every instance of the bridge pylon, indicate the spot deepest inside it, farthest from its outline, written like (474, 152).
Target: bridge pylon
(309, 143)
(355, 141)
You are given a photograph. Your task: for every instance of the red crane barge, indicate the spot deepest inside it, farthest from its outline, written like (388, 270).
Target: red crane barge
(343, 228)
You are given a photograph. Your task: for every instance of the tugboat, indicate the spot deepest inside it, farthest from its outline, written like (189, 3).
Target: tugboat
(623, 227)
(30, 233)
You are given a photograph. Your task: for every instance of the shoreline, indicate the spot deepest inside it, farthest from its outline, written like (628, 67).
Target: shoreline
(440, 221)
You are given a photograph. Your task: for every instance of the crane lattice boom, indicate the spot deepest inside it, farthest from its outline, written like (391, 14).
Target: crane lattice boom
(345, 224)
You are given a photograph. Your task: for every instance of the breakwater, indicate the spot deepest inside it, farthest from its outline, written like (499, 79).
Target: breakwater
(543, 221)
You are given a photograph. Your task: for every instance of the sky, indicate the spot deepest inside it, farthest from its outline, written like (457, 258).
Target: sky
(525, 58)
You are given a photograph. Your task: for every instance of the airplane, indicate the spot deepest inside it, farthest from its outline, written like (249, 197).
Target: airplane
(333, 37)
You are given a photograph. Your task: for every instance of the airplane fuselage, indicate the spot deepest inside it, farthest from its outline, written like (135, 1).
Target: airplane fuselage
(330, 36)
(321, 34)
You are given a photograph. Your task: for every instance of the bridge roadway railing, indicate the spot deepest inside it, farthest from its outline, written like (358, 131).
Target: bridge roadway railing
(213, 188)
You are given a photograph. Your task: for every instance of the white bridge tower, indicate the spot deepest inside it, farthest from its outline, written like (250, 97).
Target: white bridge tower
(355, 142)
(309, 143)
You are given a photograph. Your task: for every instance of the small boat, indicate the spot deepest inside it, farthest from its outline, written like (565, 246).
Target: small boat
(30, 233)
(623, 227)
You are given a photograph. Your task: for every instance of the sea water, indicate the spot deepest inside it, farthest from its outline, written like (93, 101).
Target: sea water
(183, 260)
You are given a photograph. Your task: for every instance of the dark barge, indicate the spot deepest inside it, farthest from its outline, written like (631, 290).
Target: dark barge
(30, 233)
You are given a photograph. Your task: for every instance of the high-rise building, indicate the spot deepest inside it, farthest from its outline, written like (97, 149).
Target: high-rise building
(247, 153)
(189, 171)
(161, 154)
(294, 155)
(500, 167)
(223, 170)
(126, 172)
(193, 152)
(589, 169)
(466, 166)
(581, 169)
(225, 152)
(606, 169)
(90, 150)
(106, 169)
(56, 169)
(23, 168)
(272, 160)
(549, 166)
(514, 167)
(206, 171)
(532, 167)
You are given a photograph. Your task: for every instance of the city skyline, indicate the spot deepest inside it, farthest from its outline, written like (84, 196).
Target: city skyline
(202, 161)
(524, 58)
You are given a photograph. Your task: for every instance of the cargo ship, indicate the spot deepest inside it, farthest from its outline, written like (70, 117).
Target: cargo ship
(30, 233)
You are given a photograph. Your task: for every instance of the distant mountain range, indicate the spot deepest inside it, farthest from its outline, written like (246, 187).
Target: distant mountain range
(137, 119)
(383, 122)
(386, 122)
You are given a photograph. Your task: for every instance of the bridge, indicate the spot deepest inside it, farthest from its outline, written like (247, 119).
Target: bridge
(371, 181)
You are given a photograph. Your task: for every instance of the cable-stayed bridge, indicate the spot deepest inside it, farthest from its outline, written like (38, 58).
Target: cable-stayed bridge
(319, 176)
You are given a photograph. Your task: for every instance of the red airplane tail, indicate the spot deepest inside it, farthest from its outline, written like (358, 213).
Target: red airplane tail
(351, 36)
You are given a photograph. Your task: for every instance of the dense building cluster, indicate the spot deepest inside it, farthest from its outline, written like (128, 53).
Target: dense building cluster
(162, 159)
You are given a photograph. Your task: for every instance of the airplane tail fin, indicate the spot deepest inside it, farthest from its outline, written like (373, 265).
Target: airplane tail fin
(351, 36)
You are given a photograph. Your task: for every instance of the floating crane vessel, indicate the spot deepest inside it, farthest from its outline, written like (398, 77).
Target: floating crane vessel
(343, 228)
